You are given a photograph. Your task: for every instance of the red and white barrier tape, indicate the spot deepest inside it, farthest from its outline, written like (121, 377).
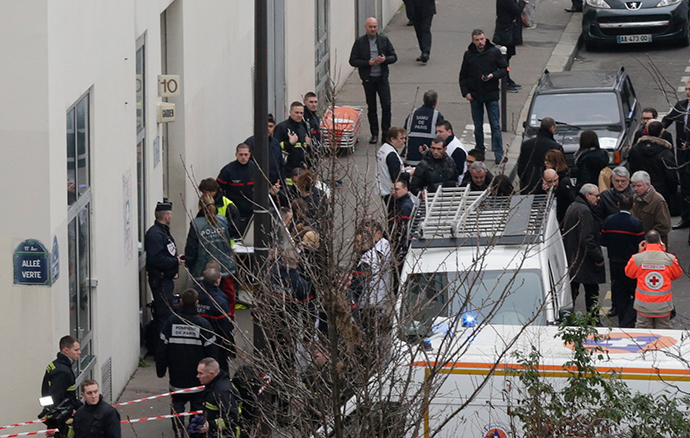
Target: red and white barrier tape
(10, 426)
(153, 397)
(167, 394)
(160, 417)
(136, 420)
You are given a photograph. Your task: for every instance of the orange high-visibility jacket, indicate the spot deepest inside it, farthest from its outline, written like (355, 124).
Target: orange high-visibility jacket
(654, 270)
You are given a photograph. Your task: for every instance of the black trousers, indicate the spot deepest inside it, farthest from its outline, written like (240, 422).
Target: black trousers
(196, 403)
(422, 27)
(683, 157)
(623, 295)
(373, 86)
(577, 4)
(409, 10)
(162, 290)
(591, 293)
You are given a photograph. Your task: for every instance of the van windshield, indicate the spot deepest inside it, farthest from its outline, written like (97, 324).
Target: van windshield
(492, 296)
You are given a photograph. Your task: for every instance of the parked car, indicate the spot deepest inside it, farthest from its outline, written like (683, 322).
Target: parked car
(638, 21)
(603, 102)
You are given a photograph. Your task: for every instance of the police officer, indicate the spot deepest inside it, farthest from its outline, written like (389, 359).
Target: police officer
(162, 262)
(96, 419)
(421, 128)
(59, 381)
(220, 400)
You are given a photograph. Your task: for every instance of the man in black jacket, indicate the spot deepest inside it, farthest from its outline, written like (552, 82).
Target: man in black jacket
(621, 234)
(371, 54)
(162, 262)
(532, 152)
(508, 32)
(311, 118)
(399, 216)
(59, 380)
(436, 169)
(236, 180)
(421, 126)
(185, 340)
(654, 155)
(95, 419)
(562, 190)
(219, 400)
(276, 165)
(423, 13)
(214, 306)
(482, 66)
(582, 246)
(609, 199)
(679, 116)
(294, 139)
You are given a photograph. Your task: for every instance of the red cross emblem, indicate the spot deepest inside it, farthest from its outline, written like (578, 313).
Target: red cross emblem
(654, 280)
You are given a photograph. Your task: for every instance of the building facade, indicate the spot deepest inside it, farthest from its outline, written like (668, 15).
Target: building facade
(85, 159)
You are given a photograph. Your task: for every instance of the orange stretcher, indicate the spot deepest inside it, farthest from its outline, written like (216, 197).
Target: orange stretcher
(348, 123)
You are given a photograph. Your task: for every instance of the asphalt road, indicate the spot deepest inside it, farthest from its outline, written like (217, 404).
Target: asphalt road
(658, 73)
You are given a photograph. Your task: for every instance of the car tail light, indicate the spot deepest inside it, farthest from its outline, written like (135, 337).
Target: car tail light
(617, 157)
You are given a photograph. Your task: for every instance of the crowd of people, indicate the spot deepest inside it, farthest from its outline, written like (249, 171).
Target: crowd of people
(624, 209)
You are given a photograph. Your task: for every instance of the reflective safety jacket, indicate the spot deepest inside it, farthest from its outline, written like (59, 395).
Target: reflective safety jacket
(654, 270)
(220, 406)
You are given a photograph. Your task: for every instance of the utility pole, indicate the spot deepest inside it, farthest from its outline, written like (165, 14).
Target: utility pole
(262, 217)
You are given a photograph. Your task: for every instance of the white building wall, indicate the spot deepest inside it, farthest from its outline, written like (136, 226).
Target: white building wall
(56, 52)
(26, 328)
(342, 35)
(300, 39)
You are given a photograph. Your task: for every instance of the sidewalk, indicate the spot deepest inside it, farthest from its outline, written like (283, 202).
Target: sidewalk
(551, 44)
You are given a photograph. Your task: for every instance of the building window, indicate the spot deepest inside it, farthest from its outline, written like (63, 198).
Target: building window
(79, 229)
(141, 141)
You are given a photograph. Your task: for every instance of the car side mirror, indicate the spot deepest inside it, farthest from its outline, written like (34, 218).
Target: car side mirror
(524, 124)
(565, 314)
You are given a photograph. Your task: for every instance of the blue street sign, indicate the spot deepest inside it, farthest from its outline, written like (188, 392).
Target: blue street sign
(31, 264)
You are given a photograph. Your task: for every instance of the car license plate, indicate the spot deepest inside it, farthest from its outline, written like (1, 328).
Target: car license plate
(623, 39)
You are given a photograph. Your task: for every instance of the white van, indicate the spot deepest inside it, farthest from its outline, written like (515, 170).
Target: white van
(485, 259)
(485, 278)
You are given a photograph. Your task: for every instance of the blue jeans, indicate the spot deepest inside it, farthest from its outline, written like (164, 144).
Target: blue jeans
(494, 114)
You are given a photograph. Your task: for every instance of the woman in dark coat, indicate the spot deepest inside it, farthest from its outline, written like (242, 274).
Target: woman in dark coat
(582, 234)
(508, 31)
(589, 159)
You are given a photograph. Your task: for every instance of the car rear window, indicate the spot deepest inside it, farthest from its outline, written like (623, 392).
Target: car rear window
(577, 109)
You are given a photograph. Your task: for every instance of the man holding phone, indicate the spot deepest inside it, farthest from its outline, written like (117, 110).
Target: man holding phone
(371, 54)
(482, 66)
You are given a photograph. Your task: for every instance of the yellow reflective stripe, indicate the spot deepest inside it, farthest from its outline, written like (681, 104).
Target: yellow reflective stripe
(211, 406)
(72, 388)
(50, 367)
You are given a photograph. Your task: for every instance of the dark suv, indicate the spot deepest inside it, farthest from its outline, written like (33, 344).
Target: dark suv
(634, 21)
(603, 102)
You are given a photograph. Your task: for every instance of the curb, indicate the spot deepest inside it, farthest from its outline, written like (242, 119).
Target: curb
(562, 58)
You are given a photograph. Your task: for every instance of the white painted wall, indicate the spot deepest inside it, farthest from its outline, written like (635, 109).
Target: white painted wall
(300, 39)
(342, 36)
(56, 52)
